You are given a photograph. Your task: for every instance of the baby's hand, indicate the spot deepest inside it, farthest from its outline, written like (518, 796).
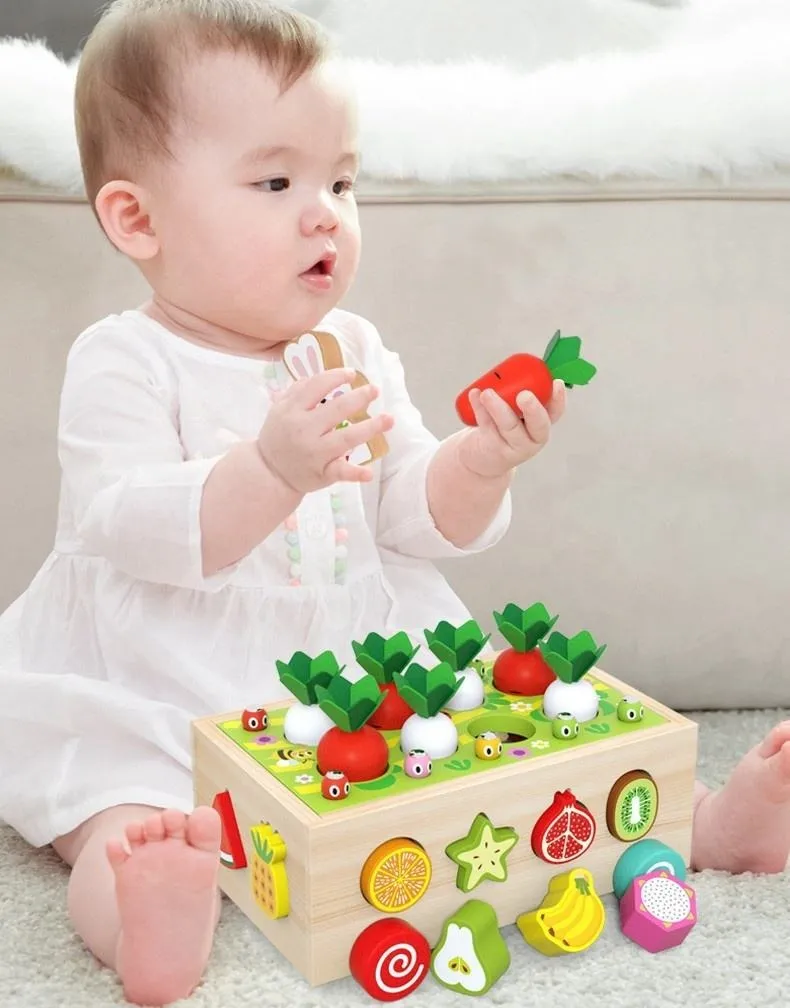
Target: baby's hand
(502, 440)
(301, 441)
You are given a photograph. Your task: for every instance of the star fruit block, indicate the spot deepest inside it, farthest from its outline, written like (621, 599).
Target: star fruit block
(471, 954)
(658, 911)
(482, 853)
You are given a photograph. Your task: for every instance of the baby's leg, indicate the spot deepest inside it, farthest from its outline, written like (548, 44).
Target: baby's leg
(746, 826)
(143, 896)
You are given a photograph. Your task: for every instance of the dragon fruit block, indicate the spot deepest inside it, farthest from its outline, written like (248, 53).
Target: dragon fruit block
(658, 910)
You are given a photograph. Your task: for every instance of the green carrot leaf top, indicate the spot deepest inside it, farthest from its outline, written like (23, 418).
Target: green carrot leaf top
(571, 658)
(563, 361)
(383, 657)
(524, 628)
(426, 691)
(350, 699)
(456, 645)
(302, 675)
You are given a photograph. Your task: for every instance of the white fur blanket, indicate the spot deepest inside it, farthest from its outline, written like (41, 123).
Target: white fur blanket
(704, 90)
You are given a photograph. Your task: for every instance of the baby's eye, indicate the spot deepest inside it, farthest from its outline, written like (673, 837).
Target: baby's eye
(279, 184)
(342, 186)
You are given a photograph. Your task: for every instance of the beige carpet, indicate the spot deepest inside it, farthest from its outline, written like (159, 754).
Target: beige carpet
(739, 954)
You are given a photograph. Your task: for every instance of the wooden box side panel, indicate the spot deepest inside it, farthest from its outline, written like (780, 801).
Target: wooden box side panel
(217, 769)
(515, 797)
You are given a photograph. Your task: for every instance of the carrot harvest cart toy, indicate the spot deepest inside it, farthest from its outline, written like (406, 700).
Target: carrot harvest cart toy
(432, 806)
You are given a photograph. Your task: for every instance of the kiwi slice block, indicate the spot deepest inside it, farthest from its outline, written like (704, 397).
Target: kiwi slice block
(632, 806)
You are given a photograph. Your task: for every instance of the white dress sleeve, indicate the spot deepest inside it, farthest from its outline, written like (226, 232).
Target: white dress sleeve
(405, 523)
(134, 498)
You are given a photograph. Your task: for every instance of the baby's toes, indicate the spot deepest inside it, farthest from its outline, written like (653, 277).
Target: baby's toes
(175, 824)
(779, 769)
(775, 739)
(783, 763)
(154, 828)
(204, 829)
(135, 835)
(117, 854)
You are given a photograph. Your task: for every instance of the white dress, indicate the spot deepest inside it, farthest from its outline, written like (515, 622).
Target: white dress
(119, 642)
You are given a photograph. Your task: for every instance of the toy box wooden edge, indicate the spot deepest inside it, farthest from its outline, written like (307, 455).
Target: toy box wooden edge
(325, 854)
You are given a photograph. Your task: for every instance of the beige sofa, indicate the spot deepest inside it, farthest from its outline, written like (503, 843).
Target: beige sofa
(658, 517)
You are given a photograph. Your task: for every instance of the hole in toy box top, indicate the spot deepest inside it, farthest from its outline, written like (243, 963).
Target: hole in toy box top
(507, 727)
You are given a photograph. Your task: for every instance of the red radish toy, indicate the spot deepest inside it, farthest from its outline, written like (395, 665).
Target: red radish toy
(523, 372)
(521, 669)
(352, 747)
(383, 659)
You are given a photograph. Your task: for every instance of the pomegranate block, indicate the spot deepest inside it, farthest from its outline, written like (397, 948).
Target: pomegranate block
(565, 831)
(658, 911)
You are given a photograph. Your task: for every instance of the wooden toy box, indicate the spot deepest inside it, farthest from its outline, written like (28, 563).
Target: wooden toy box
(326, 843)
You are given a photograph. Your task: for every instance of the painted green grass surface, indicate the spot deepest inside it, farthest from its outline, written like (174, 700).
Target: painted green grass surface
(296, 769)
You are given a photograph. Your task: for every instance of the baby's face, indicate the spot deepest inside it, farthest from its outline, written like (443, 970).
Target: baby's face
(256, 219)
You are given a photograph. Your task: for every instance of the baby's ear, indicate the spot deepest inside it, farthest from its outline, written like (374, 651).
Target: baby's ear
(122, 209)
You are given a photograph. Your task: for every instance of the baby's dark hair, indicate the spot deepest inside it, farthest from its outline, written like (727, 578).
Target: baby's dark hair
(127, 93)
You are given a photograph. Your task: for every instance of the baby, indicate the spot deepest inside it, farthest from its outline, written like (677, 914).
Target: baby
(243, 476)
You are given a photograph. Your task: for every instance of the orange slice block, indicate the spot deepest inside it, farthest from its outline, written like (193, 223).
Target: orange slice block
(396, 875)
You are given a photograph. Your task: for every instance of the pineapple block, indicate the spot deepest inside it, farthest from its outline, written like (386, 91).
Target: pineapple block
(268, 877)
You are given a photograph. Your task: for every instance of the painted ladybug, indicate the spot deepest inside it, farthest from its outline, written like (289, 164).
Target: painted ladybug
(255, 719)
(417, 763)
(488, 746)
(334, 785)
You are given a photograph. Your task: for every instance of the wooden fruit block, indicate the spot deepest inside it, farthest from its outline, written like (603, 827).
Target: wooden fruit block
(658, 911)
(569, 920)
(329, 844)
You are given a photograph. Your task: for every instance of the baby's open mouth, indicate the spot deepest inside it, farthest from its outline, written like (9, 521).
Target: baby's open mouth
(324, 267)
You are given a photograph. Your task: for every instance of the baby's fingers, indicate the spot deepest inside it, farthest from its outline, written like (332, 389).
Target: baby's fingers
(536, 419)
(342, 441)
(482, 416)
(342, 407)
(342, 471)
(308, 392)
(558, 401)
(509, 426)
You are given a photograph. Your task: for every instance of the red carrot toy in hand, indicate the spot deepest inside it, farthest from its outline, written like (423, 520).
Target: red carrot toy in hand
(525, 372)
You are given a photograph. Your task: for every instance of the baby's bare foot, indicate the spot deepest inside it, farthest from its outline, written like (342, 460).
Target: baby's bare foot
(166, 885)
(746, 825)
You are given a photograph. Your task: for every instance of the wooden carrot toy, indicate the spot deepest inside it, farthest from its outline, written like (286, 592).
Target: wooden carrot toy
(524, 372)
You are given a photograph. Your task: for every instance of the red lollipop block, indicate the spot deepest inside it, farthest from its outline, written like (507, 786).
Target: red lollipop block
(390, 959)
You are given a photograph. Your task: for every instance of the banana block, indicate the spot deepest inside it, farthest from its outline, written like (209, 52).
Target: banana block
(570, 918)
